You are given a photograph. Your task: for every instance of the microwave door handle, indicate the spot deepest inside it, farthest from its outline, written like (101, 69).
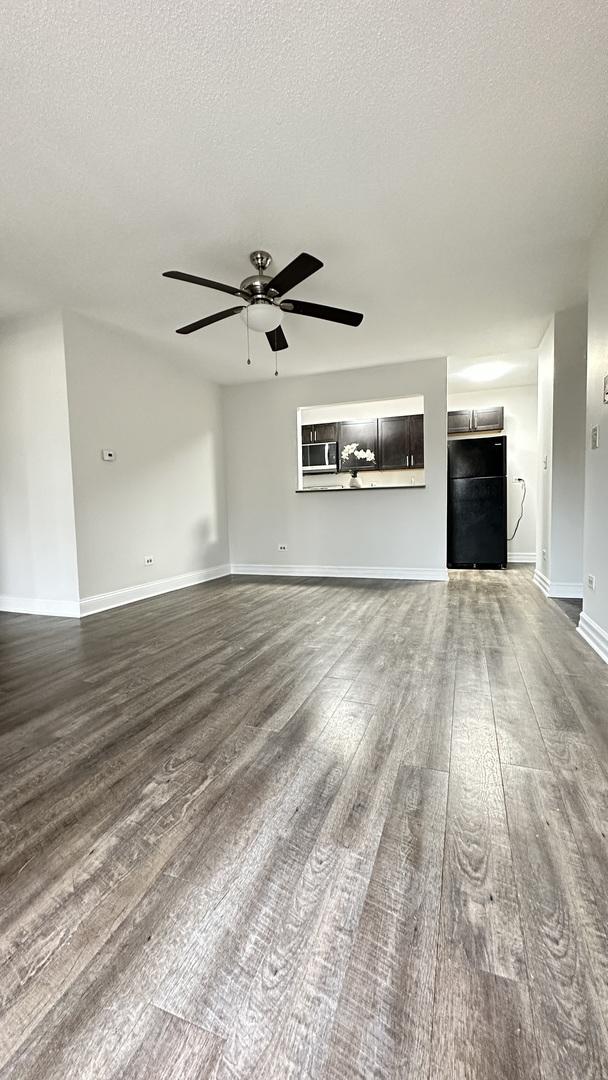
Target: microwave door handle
(327, 453)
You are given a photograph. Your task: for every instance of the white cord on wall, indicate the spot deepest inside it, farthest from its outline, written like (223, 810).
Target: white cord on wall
(520, 480)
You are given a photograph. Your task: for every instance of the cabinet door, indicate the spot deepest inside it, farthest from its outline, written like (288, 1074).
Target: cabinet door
(363, 432)
(393, 442)
(307, 435)
(459, 420)
(325, 432)
(488, 419)
(416, 442)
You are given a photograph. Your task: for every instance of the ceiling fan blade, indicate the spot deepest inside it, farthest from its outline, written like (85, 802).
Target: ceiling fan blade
(321, 311)
(198, 325)
(177, 274)
(296, 271)
(277, 339)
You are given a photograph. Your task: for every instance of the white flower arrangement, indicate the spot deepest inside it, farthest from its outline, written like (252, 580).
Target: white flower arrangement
(363, 455)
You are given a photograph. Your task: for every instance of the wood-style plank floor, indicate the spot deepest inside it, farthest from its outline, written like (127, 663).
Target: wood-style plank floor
(276, 829)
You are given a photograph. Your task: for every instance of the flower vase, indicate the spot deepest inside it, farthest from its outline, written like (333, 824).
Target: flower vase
(355, 479)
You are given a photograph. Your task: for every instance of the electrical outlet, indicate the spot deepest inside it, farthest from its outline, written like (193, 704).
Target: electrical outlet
(591, 582)
(544, 554)
(148, 560)
(282, 547)
(595, 437)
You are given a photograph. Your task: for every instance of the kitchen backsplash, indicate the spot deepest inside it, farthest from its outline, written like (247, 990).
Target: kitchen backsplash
(372, 478)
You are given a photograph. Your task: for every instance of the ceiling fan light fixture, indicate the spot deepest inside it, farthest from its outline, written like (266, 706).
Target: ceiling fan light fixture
(262, 316)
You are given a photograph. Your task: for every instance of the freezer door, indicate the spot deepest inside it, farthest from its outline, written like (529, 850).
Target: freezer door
(477, 457)
(477, 522)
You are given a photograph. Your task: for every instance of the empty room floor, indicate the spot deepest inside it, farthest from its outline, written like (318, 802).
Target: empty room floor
(305, 828)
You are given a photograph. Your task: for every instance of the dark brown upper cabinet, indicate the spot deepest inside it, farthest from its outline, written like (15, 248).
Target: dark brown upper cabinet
(393, 442)
(459, 420)
(401, 442)
(363, 432)
(464, 420)
(326, 432)
(489, 419)
(416, 426)
(316, 433)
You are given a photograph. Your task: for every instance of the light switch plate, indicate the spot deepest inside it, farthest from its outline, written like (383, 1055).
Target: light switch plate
(108, 455)
(595, 436)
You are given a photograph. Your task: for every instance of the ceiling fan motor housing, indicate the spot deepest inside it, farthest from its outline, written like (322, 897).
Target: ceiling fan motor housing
(255, 286)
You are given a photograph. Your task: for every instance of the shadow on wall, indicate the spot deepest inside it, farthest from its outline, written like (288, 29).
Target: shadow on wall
(205, 542)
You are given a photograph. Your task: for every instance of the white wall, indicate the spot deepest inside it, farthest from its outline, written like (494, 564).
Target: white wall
(363, 410)
(568, 474)
(38, 570)
(545, 450)
(164, 493)
(402, 530)
(520, 427)
(594, 620)
(561, 420)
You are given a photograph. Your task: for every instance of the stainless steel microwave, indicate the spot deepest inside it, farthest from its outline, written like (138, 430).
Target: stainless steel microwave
(320, 457)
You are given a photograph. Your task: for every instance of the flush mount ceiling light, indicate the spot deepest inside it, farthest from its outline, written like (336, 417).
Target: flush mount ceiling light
(262, 304)
(487, 371)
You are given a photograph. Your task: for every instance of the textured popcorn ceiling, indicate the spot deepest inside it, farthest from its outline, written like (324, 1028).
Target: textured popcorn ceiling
(446, 159)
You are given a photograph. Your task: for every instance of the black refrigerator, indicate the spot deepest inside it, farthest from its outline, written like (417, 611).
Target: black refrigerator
(477, 502)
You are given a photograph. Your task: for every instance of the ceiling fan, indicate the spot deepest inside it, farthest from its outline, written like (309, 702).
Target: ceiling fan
(263, 306)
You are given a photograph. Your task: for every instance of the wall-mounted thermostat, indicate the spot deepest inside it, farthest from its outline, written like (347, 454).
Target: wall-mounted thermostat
(108, 455)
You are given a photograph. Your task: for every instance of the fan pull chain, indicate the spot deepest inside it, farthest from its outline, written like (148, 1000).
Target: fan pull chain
(276, 363)
(247, 322)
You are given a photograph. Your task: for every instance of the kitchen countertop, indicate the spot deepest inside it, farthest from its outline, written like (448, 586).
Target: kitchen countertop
(376, 487)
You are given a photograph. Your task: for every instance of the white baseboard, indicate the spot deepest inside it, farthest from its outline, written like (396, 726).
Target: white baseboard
(521, 557)
(401, 573)
(558, 590)
(118, 597)
(89, 605)
(566, 590)
(594, 635)
(542, 581)
(24, 605)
